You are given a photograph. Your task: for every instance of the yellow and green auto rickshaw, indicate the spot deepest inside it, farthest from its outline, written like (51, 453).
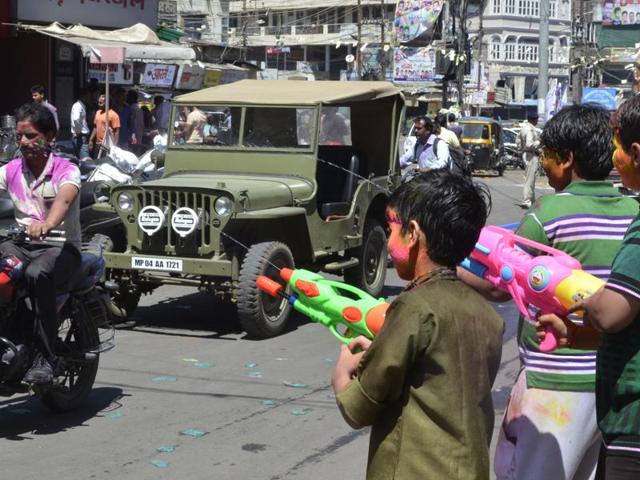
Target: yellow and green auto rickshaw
(482, 138)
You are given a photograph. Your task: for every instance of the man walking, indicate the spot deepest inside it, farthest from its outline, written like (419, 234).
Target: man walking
(105, 129)
(39, 96)
(528, 142)
(430, 152)
(79, 126)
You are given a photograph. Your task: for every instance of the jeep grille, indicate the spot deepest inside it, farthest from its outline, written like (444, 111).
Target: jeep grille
(203, 241)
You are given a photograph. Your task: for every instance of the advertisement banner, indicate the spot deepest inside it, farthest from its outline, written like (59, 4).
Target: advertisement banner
(158, 75)
(620, 12)
(414, 64)
(190, 77)
(120, 74)
(97, 13)
(212, 78)
(415, 19)
(605, 97)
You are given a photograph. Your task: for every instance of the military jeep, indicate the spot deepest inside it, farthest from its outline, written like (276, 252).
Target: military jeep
(260, 175)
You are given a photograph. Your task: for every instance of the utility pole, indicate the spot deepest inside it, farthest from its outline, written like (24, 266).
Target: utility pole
(243, 55)
(383, 53)
(358, 53)
(480, 32)
(543, 57)
(461, 50)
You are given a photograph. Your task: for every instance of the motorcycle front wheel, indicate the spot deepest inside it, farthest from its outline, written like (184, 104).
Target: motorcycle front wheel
(77, 347)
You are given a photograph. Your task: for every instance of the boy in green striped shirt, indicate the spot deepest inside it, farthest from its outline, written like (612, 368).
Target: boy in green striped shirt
(550, 429)
(612, 320)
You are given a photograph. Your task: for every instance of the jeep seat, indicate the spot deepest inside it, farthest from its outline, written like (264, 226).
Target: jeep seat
(336, 186)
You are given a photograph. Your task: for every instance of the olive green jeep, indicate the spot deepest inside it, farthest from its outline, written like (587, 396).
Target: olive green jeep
(261, 175)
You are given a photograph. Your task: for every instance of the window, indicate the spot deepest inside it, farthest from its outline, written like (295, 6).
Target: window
(553, 9)
(213, 126)
(529, 8)
(335, 126)
(278, 127)
(510, 7)
(495, 49)
(497, 6)
(509, 51)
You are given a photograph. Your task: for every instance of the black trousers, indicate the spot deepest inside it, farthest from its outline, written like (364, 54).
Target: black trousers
(48, 270)
(617, 467)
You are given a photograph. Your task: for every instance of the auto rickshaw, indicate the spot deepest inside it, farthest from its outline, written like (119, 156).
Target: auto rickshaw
(482, 137)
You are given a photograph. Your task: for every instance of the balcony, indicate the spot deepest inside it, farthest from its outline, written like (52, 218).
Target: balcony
(525, 53)
(330, 33)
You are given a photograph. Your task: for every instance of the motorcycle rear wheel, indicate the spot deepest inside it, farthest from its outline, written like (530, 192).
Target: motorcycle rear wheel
(79, 336)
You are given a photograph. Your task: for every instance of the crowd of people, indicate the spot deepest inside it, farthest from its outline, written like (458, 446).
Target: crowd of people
(127, 124)
(424, 383)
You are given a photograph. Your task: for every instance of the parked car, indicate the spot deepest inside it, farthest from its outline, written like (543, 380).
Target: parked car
(301, 179)
(483, 138)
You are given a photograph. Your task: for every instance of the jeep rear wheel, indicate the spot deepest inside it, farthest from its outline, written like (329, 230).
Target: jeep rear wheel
(370, 274)
(261, 315)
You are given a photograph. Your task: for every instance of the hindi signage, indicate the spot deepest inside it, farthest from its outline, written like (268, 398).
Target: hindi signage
(121, 74)
(96, 13)
(158, 75)
(190, 77)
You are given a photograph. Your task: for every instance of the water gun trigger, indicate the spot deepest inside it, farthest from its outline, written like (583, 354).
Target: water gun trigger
(334, 329)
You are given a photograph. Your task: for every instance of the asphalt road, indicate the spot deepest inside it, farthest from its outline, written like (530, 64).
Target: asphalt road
(184, 379)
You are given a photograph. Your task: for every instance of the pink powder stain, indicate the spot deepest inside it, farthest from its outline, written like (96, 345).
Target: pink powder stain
(15, 184)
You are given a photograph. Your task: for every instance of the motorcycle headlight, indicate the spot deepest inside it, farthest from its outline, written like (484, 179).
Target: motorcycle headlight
(125, 202)
(223, 206)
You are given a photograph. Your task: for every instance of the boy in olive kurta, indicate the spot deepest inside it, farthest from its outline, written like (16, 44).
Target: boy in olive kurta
(424, 383)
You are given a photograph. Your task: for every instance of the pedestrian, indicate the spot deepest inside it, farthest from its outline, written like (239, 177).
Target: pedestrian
(549, 428)
(445, 134)
(612, 324)
(136, 123)
(44, 190)
(424, 383)
(194, 127)
(528, 141)
(39, 95)
(161, 113)
(429, 151)
(106, 127)
(124, 139)
(454, 126)
(79, 126)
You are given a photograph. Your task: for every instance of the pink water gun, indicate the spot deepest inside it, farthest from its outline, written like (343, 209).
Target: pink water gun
(550, 283)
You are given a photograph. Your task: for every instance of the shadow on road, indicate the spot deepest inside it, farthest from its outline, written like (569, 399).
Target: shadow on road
(26, 416)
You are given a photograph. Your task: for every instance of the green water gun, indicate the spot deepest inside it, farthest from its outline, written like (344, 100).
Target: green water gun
(332, 304)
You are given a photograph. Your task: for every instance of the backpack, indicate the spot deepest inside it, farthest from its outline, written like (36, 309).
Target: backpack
(457, 162)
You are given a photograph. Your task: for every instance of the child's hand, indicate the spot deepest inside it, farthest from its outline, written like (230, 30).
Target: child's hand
(563, 328)
(359, 344)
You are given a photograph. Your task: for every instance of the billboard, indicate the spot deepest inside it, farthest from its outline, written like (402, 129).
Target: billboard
(415, 19)
(94, 13)
(158, 75)
(119, 73)
(412, 64)
(620, 12)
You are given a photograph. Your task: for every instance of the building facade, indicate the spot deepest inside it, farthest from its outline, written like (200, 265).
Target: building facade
(507, 44)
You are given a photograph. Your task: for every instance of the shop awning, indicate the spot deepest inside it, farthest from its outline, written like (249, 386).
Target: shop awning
(139, 41)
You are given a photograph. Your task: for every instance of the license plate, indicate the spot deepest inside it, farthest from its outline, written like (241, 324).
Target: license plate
(162, 264)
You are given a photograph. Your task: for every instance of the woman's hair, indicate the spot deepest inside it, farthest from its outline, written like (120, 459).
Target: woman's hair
(39, 116)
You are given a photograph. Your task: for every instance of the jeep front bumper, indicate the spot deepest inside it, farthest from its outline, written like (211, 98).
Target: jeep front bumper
(215, 267)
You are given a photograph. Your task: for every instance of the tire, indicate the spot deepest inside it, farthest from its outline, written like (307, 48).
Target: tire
(78, 335)
(370, 274)
(260, 315)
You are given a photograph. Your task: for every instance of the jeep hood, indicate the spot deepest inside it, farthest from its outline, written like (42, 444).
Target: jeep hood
(260, 191)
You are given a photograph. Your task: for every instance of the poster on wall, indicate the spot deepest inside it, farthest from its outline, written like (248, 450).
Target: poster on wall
(120, 74)
(415, 19)
(620, 12)
(158, 75)
(190, 77)
(414, 64)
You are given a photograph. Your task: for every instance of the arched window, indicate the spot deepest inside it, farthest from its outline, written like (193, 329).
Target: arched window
(495, 50)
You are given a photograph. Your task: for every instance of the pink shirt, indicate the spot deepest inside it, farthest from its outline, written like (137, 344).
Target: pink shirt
(33, 197)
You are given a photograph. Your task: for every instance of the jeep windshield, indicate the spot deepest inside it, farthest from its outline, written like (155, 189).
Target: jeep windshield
(261, 128)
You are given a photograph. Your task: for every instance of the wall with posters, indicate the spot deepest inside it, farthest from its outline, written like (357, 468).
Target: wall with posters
(190, 77)
(99, 13)
(620, 12)
(119, 74)
(415, 19)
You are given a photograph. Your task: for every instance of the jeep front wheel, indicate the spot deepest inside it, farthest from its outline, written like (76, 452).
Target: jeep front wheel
(371, 272)
(261, 315)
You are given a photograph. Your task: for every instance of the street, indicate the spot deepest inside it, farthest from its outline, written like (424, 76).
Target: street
(185, 395)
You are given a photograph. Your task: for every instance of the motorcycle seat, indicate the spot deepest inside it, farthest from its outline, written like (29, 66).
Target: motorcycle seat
(91, 269)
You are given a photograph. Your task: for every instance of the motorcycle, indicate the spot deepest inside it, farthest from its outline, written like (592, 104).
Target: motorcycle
(84, 330)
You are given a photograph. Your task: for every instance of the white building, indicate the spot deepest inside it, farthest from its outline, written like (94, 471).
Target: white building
(510, 44)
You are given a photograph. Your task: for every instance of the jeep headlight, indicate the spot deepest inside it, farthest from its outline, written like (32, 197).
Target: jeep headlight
(223, 206)
(125, 202)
